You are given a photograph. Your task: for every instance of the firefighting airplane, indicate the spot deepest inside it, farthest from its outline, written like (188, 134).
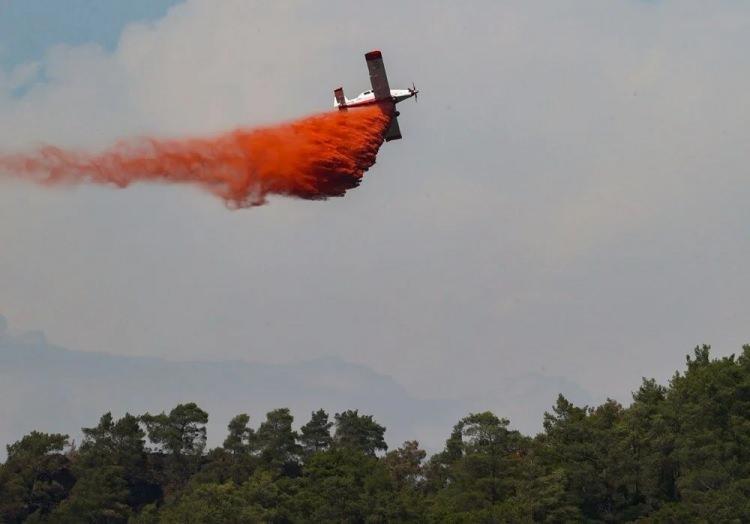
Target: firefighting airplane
(379, 94)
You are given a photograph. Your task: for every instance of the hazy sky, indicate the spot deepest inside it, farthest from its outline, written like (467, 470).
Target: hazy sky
(570, 197)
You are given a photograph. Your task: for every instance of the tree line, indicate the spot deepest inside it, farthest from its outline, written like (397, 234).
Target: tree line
(677, 453)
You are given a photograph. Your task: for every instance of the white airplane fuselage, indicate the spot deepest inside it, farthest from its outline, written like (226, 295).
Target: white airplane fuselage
(368, 97)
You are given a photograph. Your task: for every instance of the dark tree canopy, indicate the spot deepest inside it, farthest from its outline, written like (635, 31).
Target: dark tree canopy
(241, 438)
(36, 445)
(359, 432)
(277, 441)
(181, 432)
(316, 434)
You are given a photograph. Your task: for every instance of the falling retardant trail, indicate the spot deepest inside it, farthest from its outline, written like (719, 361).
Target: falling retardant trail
(313, 158)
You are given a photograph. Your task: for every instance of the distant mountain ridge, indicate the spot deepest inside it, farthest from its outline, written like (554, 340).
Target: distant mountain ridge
(50, 388)
(47, 387)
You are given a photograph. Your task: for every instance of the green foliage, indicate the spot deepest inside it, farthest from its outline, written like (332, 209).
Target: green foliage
(112, 474)
(709, 410)
(359, 432)
(678, 453)
(180, 433)
(405, 465)
(36, 445)
(35, 478)
(346, 485)
(99, 495)
(316, 435)
(484, 461)
(277, 442)
(209, 503)
(241, 438)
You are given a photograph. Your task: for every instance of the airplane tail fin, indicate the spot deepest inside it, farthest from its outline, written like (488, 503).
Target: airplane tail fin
(340, 99)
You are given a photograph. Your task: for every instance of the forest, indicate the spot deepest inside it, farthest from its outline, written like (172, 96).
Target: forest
(677, 453)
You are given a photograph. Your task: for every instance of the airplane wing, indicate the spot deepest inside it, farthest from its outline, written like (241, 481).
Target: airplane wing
(381, 89)
(378, 79)
(393, 132)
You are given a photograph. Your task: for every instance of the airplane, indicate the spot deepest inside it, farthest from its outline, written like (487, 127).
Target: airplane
(381, 93)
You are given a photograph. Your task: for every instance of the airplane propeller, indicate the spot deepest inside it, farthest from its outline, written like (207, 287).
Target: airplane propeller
(415, 91)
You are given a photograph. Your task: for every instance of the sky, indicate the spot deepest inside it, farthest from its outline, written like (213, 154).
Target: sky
(569, 199)
(30, 27)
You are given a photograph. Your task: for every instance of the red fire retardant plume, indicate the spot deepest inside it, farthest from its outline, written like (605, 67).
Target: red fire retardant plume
(313, 158)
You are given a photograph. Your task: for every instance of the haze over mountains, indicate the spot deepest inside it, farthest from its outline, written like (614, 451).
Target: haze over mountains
(52, 389)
